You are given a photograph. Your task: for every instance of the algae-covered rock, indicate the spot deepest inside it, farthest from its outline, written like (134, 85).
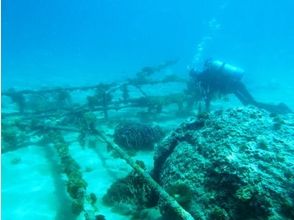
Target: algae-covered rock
(237, 165)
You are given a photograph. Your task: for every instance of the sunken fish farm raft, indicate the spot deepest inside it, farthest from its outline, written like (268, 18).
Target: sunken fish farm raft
(236, 163)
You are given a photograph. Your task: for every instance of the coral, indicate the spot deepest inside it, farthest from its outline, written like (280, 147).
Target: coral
(218, 213)
(245, 193)
(233, 162)
(128, 195)
(181, 192)
(136, 136)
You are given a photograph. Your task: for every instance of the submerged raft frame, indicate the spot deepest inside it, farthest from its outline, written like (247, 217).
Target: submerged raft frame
(102, 102)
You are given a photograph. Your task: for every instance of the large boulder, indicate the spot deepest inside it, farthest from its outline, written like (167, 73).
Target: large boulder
(233, 164)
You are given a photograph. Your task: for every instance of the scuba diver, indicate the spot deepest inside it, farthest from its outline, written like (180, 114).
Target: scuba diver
(220, 78)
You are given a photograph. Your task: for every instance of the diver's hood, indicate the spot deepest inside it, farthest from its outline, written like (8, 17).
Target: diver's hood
(218, 65)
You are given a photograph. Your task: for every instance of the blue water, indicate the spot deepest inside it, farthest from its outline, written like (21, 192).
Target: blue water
(74, 43)
(84, 42)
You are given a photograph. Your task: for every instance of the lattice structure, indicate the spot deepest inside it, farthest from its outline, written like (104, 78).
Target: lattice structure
(50, 114)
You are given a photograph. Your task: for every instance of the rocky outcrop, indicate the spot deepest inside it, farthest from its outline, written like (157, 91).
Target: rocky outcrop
(233, 164)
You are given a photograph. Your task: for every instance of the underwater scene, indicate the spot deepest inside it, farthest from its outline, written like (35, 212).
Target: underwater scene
(147, 110)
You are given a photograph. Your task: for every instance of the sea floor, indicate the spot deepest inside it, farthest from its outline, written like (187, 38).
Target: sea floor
(33, 186)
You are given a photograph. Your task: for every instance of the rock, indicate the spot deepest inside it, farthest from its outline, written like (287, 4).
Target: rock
(236, 164)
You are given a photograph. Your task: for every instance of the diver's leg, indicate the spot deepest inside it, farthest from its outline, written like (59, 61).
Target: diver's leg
(242, 93)
(241, 98)
(245, 97)
(278, 109)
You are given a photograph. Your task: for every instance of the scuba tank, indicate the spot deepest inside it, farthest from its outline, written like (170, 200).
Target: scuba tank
(227, 69)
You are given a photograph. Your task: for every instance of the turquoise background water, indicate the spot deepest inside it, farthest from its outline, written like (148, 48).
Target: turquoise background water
(68, 43)
(62, 42)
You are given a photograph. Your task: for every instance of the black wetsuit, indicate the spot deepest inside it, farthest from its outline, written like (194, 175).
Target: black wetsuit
(218, 81)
